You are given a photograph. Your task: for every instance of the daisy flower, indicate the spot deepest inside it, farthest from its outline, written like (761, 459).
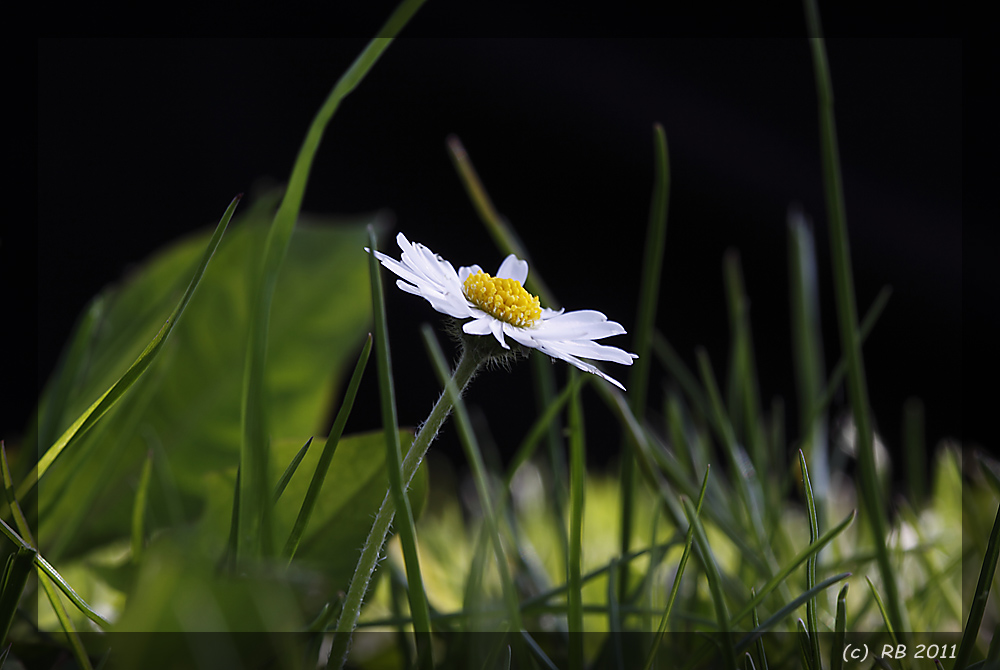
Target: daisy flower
(501, 307)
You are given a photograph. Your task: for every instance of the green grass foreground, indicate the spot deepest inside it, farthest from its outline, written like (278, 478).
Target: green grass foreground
(178, 506)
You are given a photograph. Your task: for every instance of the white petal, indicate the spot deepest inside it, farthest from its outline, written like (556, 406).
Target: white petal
(478, 327)
(513, 268)
(588, 349)
(464, 272)
(398, 268)
(573, 360)
(496, 326)
(523, 336)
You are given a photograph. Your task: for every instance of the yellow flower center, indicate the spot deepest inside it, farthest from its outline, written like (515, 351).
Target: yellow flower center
(503, 299)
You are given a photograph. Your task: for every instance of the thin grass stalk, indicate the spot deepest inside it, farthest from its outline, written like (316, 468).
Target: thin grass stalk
(805, 646)
(348, 621)
(812, 619)
(747, 407)
(847, 317)
(326, 457)
(807, 351)
(649, 288)
(255, 509)
(76, 646)
(475, 458)
(577, 484)
(839, 630)
(393, 464)
(760, 641)
(675, 588)
(507, 240)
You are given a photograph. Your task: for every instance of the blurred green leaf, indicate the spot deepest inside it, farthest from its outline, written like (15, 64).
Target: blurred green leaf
(321, 312)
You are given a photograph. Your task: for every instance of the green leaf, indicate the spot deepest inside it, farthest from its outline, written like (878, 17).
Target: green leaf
(321, 312)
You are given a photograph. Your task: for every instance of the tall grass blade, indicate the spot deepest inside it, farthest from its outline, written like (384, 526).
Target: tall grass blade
(839, 631)
(652, 263)
(847, 317)
(255, 505)
(760, 641)
(319, 474)
(812, 620)
(745, 408)
(76, 646)
(393, 463)
(980, 596)
(807, 350)
(806, 645)
(110, 398)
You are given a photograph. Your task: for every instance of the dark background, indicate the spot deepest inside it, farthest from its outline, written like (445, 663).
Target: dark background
(142, 141)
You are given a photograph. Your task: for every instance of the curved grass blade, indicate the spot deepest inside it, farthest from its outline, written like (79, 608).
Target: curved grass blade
(839, 631)
(254, 530)
(760, 641)
(45, 568)
(980, 596)
(812, 620)
(847, 318)
(336, 431)
(656, 236)
(286, 476)
(74, 640)
(688, 541)
(393, 464)
(110, 397)
(806, 644)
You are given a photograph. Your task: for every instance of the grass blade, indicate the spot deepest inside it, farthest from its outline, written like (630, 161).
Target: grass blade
(319, 474)
(286, 476)
(980, 596)
(393, 464)
(807, 350)
(111, 397)
(502, 233)
(847, 318)
(760, 641)
(656, 236)
(839, 631)
(806, 644)
(812, 621)
(255, 509)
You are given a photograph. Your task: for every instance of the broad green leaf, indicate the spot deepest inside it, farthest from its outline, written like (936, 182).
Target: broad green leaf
(191, 418)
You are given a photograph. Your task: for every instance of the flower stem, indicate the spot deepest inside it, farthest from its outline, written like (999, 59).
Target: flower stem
(469, 362)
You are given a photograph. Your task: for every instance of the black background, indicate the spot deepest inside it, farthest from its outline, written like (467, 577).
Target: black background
(142, 141)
